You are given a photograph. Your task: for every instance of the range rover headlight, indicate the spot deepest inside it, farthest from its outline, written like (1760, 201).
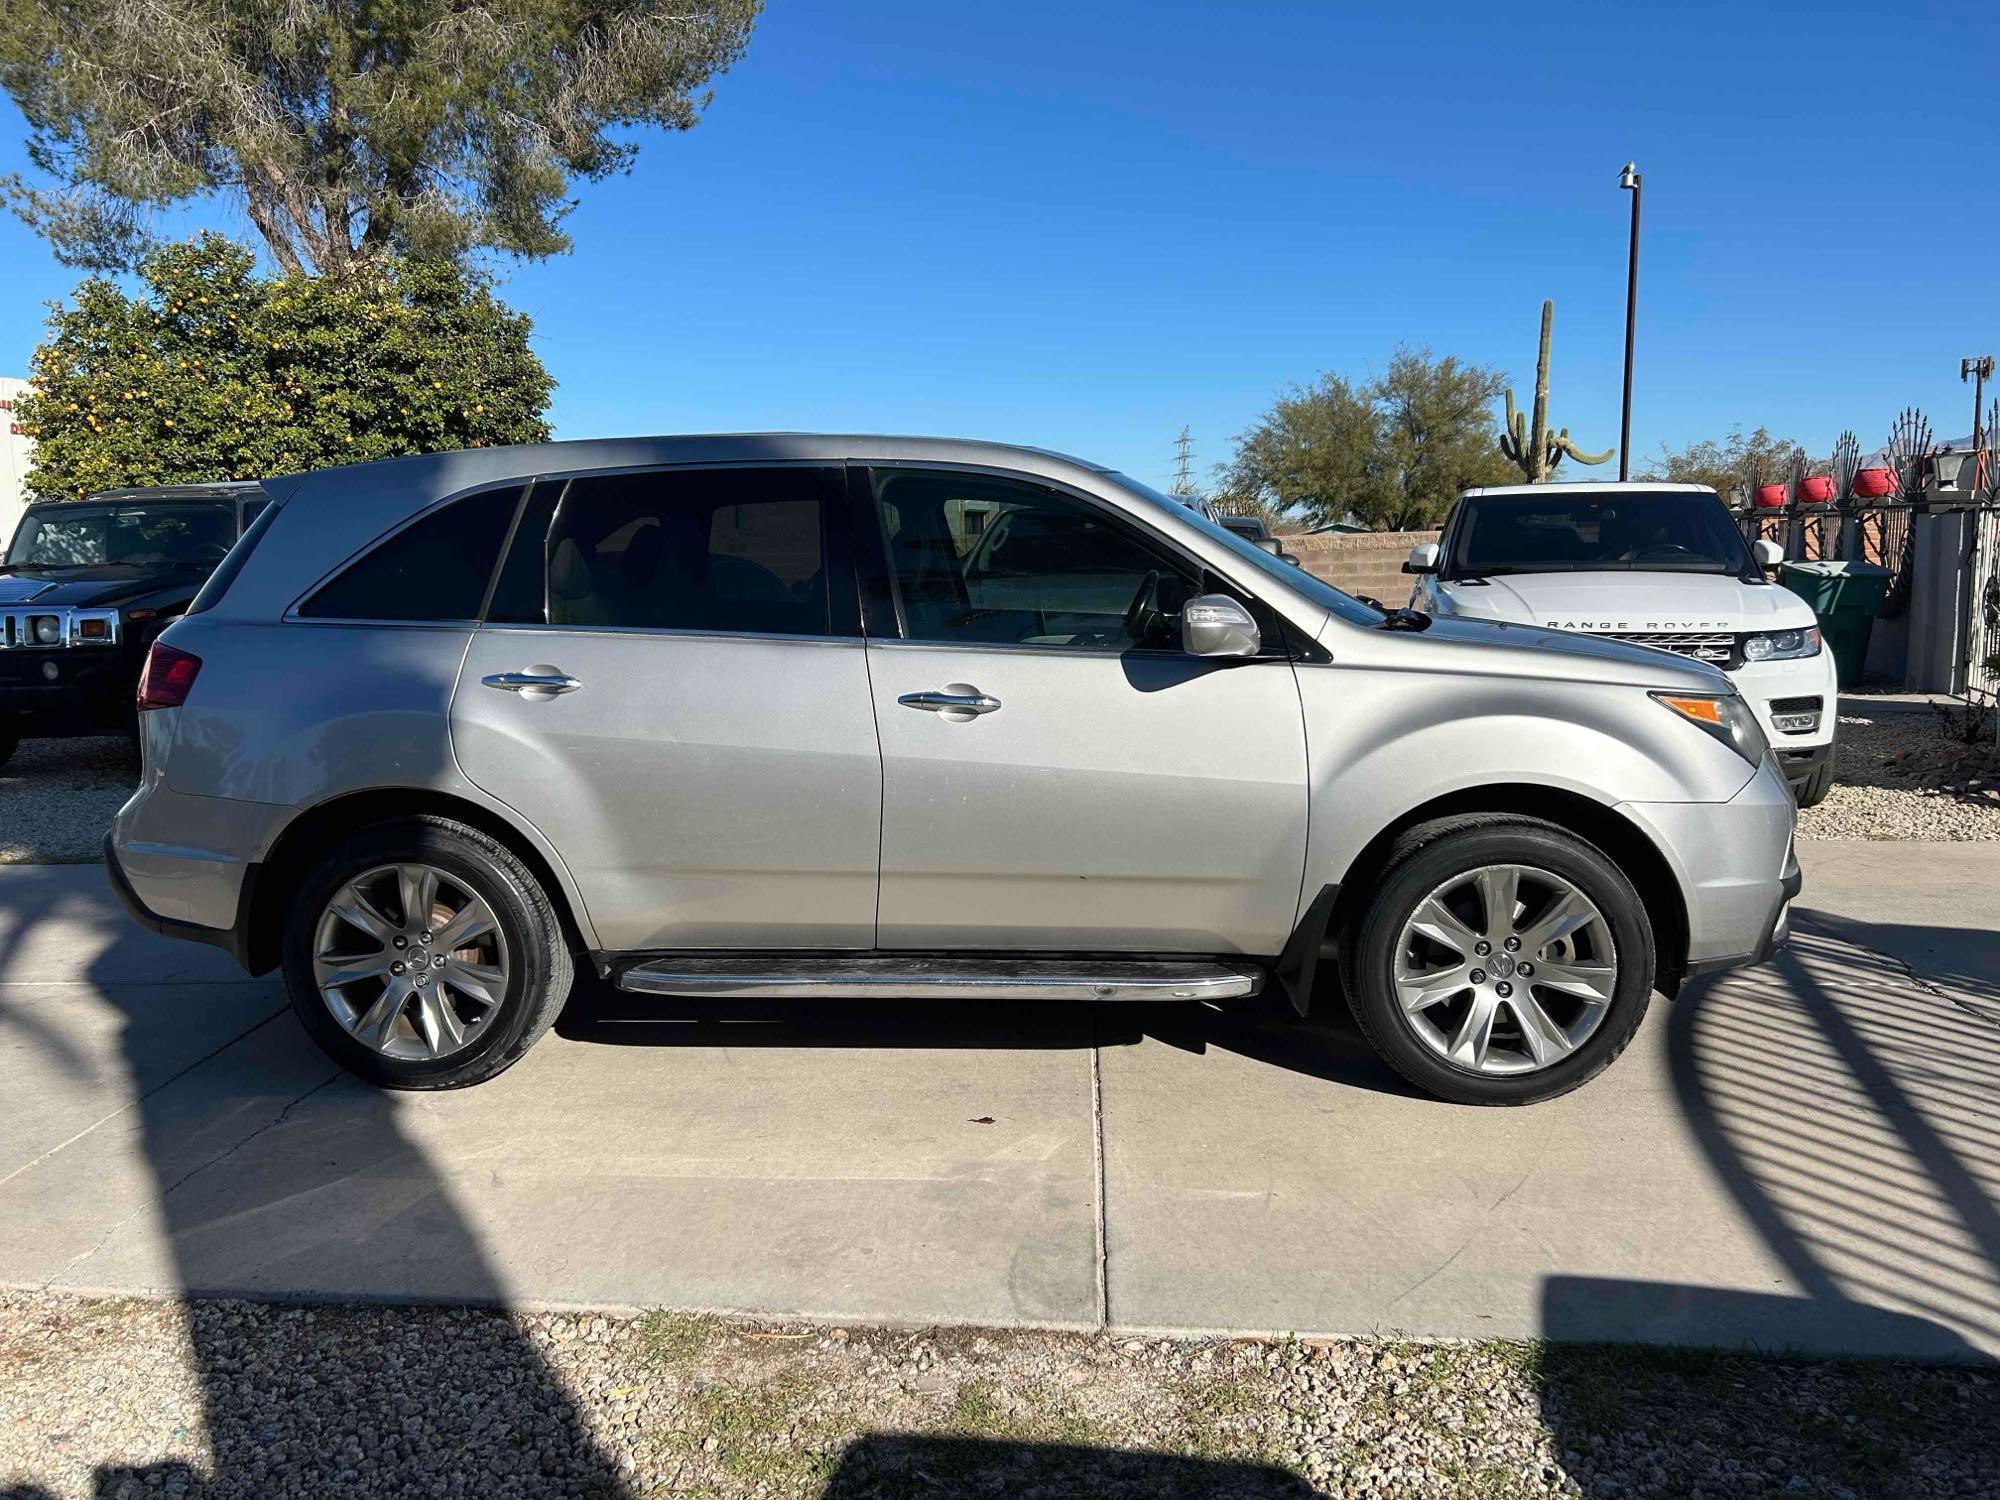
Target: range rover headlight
(1724, 717)
(1783, 645)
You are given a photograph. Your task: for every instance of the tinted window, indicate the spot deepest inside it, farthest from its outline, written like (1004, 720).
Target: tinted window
(1006, 562)
(736, 550)
(436, 568)
(139, 534)
(1629, 531)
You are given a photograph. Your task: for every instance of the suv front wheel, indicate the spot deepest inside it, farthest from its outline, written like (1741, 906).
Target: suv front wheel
(1502, 961)
(422, 954)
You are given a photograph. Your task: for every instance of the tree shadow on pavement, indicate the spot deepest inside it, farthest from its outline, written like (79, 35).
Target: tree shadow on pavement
(253, 1196)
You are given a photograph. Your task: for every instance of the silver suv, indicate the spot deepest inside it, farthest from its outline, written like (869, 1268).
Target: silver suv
(790, 715)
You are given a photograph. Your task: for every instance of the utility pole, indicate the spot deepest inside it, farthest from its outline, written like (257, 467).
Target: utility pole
(1977, 370)
(1629, 179)
(1184, 463)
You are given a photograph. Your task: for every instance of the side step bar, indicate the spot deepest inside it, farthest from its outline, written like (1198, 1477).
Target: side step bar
(938, 977)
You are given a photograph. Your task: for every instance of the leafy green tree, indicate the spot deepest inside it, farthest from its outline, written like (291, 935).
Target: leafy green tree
(211, 371)
(1392, 453)
(347, 130)
(1746, 460)
(1437, 436)
(1313, 456)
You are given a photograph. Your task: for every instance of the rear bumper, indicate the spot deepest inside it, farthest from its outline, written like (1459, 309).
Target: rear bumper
(233, 939)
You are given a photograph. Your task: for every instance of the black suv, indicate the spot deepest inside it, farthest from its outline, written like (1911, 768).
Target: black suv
(86, 586)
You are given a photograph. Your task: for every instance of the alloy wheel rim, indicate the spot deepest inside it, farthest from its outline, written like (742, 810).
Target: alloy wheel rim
(410, 961)
(1505, 969)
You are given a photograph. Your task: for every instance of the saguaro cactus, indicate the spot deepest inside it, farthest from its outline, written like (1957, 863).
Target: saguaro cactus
(1531, 448)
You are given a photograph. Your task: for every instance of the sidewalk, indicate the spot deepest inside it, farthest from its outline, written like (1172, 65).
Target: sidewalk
(1800, 1155)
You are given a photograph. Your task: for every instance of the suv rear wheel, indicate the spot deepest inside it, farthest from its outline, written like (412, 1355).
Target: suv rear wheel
(422, 954)
(1502, 961)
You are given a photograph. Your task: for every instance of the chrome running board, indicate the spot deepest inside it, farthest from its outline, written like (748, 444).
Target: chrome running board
(778, 976)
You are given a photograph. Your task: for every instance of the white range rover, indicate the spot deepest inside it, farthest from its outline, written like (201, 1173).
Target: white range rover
(1657, 564)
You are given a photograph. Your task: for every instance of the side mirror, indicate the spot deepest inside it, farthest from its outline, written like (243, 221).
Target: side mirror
(1423, 558)
(1767, 552)
(1216, 625)
(1270, 545)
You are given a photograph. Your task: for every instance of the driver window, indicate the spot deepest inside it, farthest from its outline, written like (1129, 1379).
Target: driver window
(1002, 562)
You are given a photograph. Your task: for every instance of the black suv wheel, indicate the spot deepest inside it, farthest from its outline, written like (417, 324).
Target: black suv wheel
(422, 954)
(1502, 961)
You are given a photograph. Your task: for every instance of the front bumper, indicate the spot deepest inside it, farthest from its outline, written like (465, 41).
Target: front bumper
(1733, 861)
(1782, 693)
(65, 691)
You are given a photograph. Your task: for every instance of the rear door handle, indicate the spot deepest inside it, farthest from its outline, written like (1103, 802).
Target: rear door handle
(970, 701)
(540, 684)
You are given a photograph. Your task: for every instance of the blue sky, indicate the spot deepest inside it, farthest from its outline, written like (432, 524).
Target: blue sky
(1083, 225)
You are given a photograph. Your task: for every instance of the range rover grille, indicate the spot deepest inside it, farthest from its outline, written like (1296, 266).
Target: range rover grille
(1719, 648)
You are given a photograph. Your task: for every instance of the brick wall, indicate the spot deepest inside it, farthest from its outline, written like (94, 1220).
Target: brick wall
(1361, 562)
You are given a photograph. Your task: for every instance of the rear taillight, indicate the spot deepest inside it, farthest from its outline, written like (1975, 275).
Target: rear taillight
(165, 679)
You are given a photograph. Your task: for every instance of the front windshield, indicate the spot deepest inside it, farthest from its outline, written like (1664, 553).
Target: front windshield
(140, 535)
(1293, 577)
(1632, 531)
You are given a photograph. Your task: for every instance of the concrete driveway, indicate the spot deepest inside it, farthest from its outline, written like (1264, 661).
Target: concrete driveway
(1801, 1156)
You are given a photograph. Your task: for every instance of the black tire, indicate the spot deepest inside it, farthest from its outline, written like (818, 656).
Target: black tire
(9, 743)
(1812, 791)
(540, 970)
(1428, 856)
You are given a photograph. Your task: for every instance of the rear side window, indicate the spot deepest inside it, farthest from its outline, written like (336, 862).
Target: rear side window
(726, 550)
(217, 583)
(436, 568)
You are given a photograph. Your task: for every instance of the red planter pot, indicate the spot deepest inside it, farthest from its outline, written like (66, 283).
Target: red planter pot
(1873, 484)
(1815, 489)
(1770, 496)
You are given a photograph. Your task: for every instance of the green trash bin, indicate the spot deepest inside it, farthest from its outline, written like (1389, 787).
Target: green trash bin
(1846, 596)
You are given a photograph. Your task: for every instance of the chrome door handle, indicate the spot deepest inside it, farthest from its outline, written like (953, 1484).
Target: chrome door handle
(550, 683)
(951, 703)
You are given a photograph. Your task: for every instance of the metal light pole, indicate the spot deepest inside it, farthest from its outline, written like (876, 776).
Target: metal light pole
(1629, 178)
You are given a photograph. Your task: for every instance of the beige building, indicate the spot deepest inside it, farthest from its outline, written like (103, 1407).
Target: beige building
(17, 449)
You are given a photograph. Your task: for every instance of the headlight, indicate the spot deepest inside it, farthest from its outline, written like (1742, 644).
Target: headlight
(48, 630)
(1725, 717)
(1782, 645)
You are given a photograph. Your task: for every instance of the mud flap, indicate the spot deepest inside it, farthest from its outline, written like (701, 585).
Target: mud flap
(1297, 964)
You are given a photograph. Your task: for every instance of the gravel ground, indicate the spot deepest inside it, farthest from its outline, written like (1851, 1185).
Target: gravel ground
(57, 798)
(1899, 775)
(240, 1399)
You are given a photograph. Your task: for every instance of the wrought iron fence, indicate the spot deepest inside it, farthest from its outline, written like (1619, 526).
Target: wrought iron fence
(1982, 642)
(1848, 524)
